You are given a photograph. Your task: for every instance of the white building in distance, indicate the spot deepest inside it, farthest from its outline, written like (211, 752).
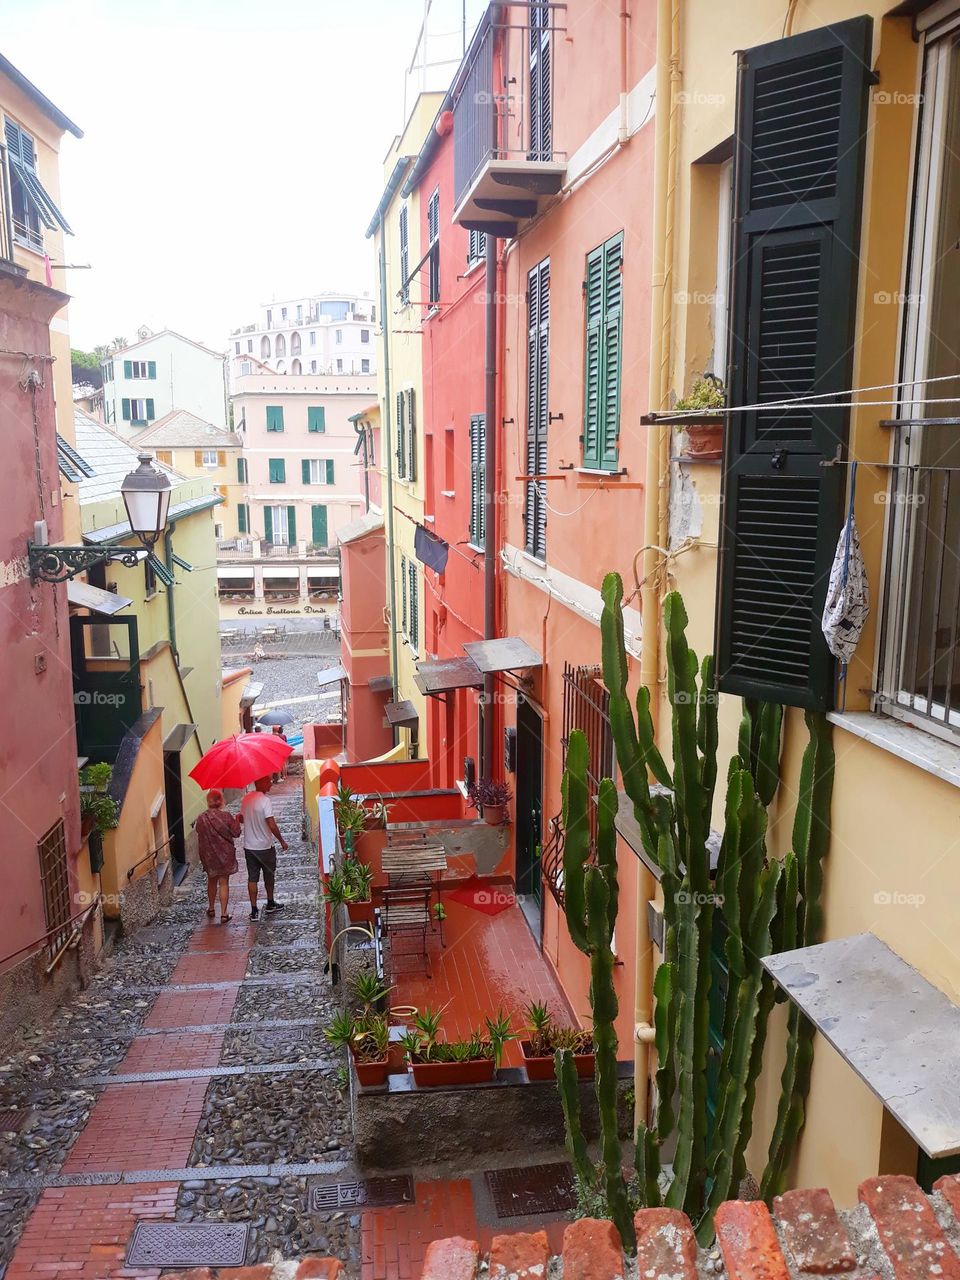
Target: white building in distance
(321, 334)
(159, 373)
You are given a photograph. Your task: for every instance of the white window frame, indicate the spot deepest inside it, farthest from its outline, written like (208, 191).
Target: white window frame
(281, 525)
(135, 404)
(140, 369)
(209, 457)
(318, 470)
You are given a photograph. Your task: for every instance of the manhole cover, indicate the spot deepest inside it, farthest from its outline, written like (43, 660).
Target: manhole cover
(537, 1189)
(373, 1193)
(163, 933)
(188, 1244)
(13, 1121)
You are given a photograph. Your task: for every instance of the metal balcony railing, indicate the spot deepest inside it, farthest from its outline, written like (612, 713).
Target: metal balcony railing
(503, 100)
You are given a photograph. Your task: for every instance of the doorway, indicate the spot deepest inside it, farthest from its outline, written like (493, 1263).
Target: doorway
(530, 814)
(173, 787)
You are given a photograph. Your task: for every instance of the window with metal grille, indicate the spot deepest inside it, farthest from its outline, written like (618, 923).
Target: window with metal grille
(586, 706)
(55, 882)
(433, 235)
(478, 465)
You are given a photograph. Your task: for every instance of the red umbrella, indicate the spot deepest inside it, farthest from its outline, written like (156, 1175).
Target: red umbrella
(244, 758)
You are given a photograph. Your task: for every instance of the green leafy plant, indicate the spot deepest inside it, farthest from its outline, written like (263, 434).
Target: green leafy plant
(439, 911)
(707, 392)
(369, 989)
(427, 1023)
(339, 1030)
(100, 811)
(339, 890)
(500, 1034)
(547, 1036)
(359, 877)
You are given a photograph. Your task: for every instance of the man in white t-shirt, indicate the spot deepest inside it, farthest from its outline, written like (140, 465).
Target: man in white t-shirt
(259, 832)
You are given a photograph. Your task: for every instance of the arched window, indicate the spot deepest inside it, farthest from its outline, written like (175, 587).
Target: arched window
(265, 348)
(294, 343)
(281, 366)
(281, 345)
(295, 367)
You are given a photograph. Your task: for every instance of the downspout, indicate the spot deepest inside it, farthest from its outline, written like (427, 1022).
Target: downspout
(362, 436)
(623, 131)
(171, 606)
(654, 512)
(489, 490)
(388, 456)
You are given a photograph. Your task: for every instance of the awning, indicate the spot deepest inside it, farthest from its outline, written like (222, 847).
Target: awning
(509, 654)
(72, 466)
(446, 674)
(333, 675)
(280, 572)
(380, 684)
(898, 1032)
(178, 737)
(401, 715)
(84, 596)
(324, 571)
(229, 571)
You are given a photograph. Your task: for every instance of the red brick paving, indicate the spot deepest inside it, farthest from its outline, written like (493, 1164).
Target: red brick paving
(135, 1126)
(210, 968)
(173, 1052)
(489, 963)
(82, 1232)
(191, 1008)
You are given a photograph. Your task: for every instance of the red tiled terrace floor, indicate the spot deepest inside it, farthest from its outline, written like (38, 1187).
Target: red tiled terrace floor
(490, 962)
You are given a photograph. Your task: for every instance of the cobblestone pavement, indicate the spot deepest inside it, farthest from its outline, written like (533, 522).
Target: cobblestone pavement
(293, 674)
(191, 1082)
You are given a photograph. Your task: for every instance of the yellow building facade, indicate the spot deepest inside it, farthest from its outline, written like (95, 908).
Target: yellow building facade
(729, 215)
(395, 229)
(192, 447)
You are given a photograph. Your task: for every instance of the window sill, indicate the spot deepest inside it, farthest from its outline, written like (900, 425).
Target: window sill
(448, 493)
(599, 471)
(904, 741)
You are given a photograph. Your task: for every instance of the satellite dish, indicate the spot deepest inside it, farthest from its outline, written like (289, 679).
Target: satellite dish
(144, 332)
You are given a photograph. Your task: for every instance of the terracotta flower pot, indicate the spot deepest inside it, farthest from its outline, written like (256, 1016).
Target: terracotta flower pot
(360, 912)
(426, 1074)
(704, 440)
(543, 1068)
(493, 814)
(372, 1074)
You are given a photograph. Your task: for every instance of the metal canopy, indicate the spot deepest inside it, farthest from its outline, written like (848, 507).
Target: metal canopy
(380, 684)
(333, 675)
(85, 596)
(898, 1032)
(509, 654)
(401, 715)
(446, 674)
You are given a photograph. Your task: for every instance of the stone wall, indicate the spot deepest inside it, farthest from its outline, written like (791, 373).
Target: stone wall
(29, 995)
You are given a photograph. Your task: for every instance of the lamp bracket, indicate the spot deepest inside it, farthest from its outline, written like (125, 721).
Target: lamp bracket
(60, 564)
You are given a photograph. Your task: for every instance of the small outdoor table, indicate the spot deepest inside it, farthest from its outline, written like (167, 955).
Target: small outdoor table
(422, 861)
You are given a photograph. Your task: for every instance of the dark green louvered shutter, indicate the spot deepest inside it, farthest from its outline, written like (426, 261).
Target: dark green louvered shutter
(603, 306)
(241, 471)
(404, 255)
(241, 517)
(274, 417)
(593, 307)
(478, 460)
(128, 368)
(414, 630)
(316, 418)
(125, 409)
(305, 470)
(151, 369)
(541, 115)
(801, 134)
(401, 437)
(291, 525)
(150, 413)
(318, 516)
(268, 524)
(278, 471)
(403, 595)
(329, 465)
(538, 382)
(411, 425)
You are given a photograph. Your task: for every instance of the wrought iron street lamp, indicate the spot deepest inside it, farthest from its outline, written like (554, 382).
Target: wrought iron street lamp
(146, 496)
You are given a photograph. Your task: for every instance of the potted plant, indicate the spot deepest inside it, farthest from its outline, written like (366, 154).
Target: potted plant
(544, 1037)
(490, 799)
(704, 433)
(370, 992)
(457, 1062)
(359, 902)
(98, 811)
(367, 1036)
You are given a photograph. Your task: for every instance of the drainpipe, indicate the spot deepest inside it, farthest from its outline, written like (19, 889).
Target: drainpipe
(388, 456)
(171, 604)
(489, 494)
(668, 45)
(362, 434)
(623, 132)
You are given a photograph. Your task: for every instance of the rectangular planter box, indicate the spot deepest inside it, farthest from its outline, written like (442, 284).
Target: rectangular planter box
(543, 1068)
(452, 1073)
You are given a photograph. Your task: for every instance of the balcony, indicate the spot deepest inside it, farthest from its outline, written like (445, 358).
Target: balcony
(504, 162)
(230, 550)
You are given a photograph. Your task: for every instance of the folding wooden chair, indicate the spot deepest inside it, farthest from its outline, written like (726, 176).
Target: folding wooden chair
(406, 909)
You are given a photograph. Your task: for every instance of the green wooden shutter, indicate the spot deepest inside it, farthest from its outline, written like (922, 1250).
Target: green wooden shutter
(291, 525)
(403, 595)
(316, 418)
(478, 462)
(330, 479)
(274, 417)
(318, 516)
(150, 413)
(278, 471)
(800, 142)
(242, 517)
(612, 341)
(538, 383)
(414, 630)
(411, 435)
(151, 369)
(268, 524)
(305, 470)
(126, 409)
(128, 368)
(241, 476)
(593, 309)
(401, 437)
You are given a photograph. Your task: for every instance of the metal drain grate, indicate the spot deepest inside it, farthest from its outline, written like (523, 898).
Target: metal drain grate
(13, 1121)
(536, 1189)
(188, 1244)
(372, 1193)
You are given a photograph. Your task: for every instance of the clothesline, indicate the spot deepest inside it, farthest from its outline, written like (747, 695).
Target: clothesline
(819, 399)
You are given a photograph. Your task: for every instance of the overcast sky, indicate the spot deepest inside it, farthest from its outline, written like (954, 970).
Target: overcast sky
(232, 149)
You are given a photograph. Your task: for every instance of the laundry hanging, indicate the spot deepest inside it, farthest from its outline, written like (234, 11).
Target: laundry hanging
(847, 605)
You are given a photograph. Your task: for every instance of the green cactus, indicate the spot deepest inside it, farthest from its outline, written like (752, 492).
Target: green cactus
(568, 1082)
(646, 1162)
(592, 900)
